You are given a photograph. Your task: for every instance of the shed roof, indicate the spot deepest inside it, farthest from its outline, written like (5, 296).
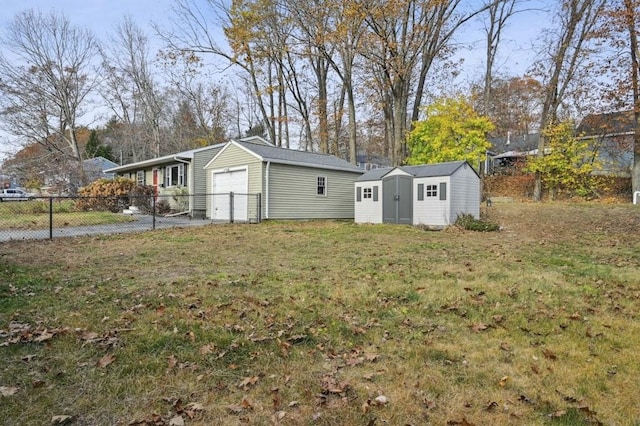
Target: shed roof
(298, 158)
(424, 170)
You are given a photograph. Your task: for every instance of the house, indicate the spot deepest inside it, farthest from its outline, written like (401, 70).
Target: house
(432, 194)
(610, 138)
(292, 184)
(173, 175)
(94, 168)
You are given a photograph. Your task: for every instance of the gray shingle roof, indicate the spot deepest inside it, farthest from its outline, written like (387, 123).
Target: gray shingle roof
(299, 158)
(424, 170)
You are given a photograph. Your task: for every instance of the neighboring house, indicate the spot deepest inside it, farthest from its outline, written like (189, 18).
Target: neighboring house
(94, 168)
(292, 184)
(431, 194)
(369, 162)
(509, 152)
(610, 138)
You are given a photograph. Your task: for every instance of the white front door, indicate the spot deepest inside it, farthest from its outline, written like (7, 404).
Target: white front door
(225, 183)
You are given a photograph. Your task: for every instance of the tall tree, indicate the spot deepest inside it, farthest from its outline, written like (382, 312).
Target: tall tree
(132, 91)
(46, 80)
(452, 131)
(498, 12)
(404, 39)
(568, 53)
(630, 15)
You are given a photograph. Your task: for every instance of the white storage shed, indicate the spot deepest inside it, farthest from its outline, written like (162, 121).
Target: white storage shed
(430, 194)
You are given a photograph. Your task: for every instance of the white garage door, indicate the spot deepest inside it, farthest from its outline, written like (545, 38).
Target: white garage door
(225, 183)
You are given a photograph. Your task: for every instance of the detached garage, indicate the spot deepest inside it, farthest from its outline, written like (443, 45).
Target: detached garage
(430, 194)
(291, 184)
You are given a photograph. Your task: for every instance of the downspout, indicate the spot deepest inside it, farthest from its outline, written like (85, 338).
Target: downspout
(266, 191)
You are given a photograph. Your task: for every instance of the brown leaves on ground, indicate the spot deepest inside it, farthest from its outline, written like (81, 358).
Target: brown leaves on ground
(25, 333)
(105, 360)
(177, 417)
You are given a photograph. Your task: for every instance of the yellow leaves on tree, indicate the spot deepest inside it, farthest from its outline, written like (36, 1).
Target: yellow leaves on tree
(567, 163)
(452, 131)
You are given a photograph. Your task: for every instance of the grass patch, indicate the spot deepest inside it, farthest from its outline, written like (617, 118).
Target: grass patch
(315, 322)
(34, 214)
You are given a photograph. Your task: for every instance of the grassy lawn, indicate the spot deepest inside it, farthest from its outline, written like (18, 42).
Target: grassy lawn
(329, 323)
(35, 215)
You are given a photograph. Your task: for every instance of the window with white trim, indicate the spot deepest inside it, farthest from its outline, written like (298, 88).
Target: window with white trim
(367, 193)
(174, 175)
(321, 188)
(140, 178)
(431, 190)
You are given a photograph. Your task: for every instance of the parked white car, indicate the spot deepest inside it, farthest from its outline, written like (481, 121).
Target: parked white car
(14, 194)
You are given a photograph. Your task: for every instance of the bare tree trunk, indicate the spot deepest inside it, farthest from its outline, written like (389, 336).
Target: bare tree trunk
(633, 45)
(578, 23)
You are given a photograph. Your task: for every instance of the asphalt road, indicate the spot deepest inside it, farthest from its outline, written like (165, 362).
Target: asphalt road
(141, 224)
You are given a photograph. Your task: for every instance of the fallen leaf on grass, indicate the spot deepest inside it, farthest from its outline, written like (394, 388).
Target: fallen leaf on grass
(172, 361)
(8, 390)
(504, 380)
(105, 360)
(61, 420)
(248, 381)
(381, 400)
(549, 354)
(479, 326)
(207, 349)
(43, 337)
(329, 384)
(491, 406)
(239, 408)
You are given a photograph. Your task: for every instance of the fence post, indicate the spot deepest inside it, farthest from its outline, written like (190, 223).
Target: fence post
(231, 207)
(51, 218)
(153, 209)
(259, 201)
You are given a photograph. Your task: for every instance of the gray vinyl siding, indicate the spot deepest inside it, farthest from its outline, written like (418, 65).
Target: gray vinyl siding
(198, 186)
(234, 157)
(465, 193)
(292, 193)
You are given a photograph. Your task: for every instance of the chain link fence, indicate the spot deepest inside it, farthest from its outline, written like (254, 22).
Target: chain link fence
(52, 217)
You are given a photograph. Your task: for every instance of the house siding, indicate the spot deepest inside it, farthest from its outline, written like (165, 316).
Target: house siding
(235, 157)
(292, 193)
(432, 211)
(198, 181)
(368, 210)
(465, 194)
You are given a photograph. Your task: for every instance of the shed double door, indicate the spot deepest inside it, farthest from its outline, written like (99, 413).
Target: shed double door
(397, 200)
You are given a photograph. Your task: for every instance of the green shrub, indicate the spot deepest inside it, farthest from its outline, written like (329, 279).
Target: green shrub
(470, 223)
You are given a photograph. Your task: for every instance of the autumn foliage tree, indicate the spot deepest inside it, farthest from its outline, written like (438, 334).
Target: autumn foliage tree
(568, 162)
(453, 130)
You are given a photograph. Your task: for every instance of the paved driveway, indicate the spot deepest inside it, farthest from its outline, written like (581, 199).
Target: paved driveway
(142, 223)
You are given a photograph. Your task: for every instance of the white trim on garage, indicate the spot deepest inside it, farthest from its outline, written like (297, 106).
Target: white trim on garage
(232, 179)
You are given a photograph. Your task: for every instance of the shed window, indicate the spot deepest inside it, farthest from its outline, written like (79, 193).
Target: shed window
(431, 190)
(321, 189)
(367, 193)
(174, 175)
(140, 178)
